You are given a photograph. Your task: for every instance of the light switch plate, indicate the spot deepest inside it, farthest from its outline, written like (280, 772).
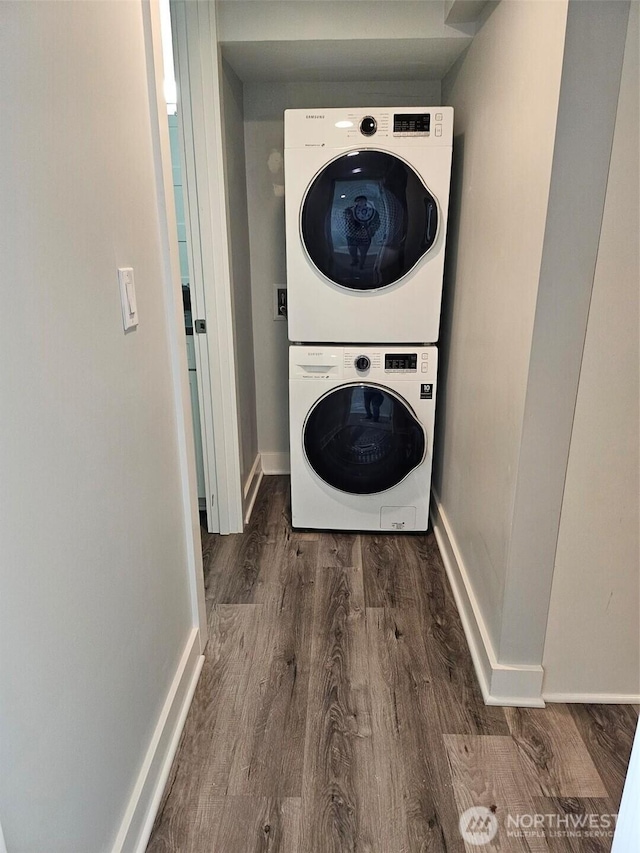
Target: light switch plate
(128, 297)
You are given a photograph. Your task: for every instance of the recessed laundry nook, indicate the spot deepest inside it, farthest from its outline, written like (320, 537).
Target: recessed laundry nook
(320, 458)
(524, 264)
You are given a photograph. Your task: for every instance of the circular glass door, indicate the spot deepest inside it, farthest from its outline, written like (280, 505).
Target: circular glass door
(367, 219)
(363, 439)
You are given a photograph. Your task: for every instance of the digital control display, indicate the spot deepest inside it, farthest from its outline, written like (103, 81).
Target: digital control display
(400, 361)
(412, 123)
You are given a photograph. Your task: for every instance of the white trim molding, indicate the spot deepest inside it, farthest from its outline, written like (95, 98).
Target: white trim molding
(501, 684)
(593, 698)
(199, 112)
(142, 808)
(251, 487)
(275, 463)
(175, 312)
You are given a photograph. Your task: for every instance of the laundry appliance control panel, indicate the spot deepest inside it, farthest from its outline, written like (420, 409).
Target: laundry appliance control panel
(342, 128)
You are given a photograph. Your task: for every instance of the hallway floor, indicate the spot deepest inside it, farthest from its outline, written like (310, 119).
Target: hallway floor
(338, 711)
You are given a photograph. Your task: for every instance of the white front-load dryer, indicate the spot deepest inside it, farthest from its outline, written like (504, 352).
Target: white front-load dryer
(361, 422)
(366, 201)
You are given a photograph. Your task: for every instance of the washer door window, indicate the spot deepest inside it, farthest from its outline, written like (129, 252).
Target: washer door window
(367, 219)
(363, 439)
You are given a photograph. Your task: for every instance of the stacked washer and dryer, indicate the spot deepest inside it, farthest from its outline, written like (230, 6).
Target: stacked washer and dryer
(367, 194)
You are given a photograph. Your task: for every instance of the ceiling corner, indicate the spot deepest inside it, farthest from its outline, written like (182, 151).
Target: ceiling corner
(463, 11)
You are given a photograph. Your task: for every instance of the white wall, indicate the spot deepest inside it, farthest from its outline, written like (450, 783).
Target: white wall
(95, 607)
(264, 106)
(506, 102)
(236, 193)
(596, 579)
(297, 20)
(531, 195)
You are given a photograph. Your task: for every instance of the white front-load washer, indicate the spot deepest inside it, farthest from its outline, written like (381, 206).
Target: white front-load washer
(366, 201)
(361, 420)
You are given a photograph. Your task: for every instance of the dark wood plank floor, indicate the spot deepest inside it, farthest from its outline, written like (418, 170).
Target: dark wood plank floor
(338, 710)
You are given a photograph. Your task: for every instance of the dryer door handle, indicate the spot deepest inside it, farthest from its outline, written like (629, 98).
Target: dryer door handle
(430, 210)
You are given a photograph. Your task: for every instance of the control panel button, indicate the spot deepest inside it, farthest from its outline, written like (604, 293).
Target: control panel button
(438, 130)
(438, 116)
(368, 126)
(425, 367)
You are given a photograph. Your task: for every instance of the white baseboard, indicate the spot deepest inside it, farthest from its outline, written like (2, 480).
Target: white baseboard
(276, 463)
(501, 684)
(593, 698)
(140, 814)
(250, 491)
